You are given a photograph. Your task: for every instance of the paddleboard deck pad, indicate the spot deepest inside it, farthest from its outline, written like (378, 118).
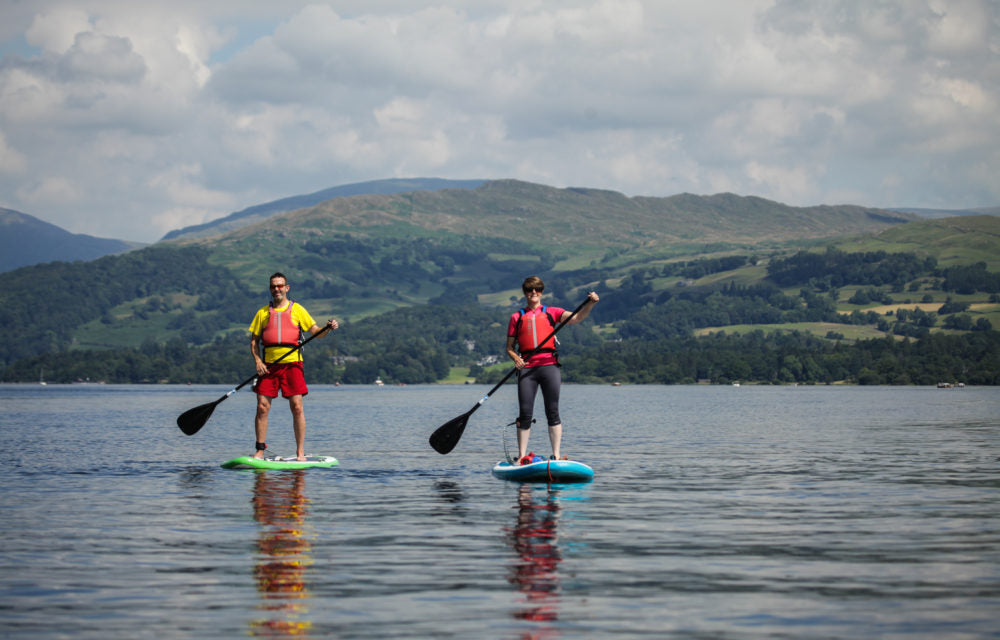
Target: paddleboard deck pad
(277, 462)
(551, 471)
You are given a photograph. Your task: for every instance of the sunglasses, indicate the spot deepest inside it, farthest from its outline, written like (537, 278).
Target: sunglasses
(535, 289)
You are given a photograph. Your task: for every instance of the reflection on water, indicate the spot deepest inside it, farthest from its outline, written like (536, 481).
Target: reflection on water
(281, 507)
(449, 491)
(535, 573)
(748, 513)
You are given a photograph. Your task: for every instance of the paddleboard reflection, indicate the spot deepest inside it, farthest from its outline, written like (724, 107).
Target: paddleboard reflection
(281, 508)
(535, 571)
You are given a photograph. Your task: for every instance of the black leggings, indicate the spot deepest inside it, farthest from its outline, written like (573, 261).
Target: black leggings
(549, 378)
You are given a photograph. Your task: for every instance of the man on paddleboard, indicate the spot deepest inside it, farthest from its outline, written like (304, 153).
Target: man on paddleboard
(536, 361)
(277, 327)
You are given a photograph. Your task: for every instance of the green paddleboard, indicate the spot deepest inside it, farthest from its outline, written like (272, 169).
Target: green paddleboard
(277, 462)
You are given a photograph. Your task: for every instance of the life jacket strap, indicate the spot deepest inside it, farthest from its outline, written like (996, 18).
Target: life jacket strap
(531, 352)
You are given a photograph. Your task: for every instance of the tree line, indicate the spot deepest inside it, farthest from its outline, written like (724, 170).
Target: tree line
(648, 336)
(792, 357)
(720, 358)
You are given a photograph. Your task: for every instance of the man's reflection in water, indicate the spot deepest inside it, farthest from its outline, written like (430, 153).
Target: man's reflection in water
(280, 506)
(535, 573)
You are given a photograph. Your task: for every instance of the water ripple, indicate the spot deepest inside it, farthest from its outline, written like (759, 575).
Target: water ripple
(716, 512)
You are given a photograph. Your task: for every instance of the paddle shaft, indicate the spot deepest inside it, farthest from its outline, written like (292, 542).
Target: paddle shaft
(193, 419)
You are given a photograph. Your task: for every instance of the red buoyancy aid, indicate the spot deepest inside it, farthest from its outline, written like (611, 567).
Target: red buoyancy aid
(530, 331)
(281, 330)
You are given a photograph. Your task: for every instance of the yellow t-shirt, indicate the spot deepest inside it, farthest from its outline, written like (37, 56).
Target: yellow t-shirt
(300, 317)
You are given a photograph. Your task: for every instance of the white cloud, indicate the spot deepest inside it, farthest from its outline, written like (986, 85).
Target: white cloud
(101, 57)
(782, 182)
(960, 25)
(56, 31)
(181, 183)
(50, 190)
(194, 204)
(131, 117)
(11, 160)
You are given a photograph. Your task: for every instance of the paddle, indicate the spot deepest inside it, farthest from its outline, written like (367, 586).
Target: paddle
(194, 419)
(445, 437)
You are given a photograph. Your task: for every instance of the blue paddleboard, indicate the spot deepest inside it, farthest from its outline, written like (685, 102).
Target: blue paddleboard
(277, 462)
(552, 471)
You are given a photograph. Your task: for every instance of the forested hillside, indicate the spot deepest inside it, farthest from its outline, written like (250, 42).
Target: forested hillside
(424, 293)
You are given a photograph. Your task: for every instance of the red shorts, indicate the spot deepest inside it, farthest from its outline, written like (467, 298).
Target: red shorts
(286, 377)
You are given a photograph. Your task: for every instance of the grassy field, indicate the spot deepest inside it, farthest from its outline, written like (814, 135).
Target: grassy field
(988, 310)
(953, 241)
(818, 329)
(748, 275)
(458, 375)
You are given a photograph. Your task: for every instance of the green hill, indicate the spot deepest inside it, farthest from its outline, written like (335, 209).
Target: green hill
(960, 240)
(573, 227)
(546, 216)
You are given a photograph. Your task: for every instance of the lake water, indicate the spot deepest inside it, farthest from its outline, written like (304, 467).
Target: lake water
(716, 512)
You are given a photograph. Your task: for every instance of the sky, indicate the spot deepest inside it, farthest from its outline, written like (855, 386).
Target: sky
(127, 119)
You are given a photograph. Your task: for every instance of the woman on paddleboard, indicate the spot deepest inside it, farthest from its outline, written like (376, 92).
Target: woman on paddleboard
(533, 349)
(277, 327)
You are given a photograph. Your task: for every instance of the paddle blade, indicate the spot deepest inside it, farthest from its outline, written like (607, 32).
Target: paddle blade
(444, 439)
(194, 419)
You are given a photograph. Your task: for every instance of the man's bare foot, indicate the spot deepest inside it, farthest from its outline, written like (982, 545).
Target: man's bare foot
(259, 455)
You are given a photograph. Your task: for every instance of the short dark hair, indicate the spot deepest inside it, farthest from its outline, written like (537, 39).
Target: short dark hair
(533, 282)
(278, 274)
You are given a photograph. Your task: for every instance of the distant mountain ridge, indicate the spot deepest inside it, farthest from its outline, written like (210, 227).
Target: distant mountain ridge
(506, 208)
(25, 240)
(947, 213)
(260, 212)
(546, 216)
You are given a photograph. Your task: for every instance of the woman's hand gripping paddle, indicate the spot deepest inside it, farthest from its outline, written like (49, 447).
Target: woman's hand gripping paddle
(194, 419)
(445, 437)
